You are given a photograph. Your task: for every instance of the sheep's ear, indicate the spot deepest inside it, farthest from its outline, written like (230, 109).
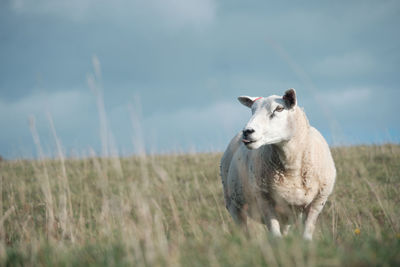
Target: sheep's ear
(290, 98)
(247, 100)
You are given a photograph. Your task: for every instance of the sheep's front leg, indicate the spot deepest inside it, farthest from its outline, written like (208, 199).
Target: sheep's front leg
(269, 217)
(313, 211)
(273, 223)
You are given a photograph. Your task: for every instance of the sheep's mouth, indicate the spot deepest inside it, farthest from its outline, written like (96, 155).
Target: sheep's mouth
(248, 142)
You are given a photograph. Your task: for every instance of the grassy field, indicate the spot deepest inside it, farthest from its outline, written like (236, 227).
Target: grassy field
(169, 211)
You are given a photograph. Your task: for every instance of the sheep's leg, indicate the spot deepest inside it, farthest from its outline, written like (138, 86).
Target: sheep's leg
(269, 217)
(313, 211)
(273, 223)
(293, 218)
(239, 215)
(286, 229)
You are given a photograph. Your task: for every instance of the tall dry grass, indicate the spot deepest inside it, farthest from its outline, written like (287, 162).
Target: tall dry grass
(169, 211)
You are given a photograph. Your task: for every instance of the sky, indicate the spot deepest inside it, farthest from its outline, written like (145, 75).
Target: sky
(163, 76)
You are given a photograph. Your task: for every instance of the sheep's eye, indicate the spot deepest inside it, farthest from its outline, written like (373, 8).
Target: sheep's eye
(279, 109)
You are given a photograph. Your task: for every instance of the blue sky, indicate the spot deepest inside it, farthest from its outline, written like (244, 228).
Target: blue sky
(170, 70)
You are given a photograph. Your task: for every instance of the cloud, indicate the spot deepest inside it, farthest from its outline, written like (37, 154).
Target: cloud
(192, 12)
(345, 98)
(208, 127)
(222, 114)
(177, 13)
(352, 63)
(75, 117)
(73, 9)
(60, 104)
(73, 113)
(355, 110)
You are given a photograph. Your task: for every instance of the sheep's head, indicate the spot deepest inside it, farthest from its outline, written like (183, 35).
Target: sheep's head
(272, 121)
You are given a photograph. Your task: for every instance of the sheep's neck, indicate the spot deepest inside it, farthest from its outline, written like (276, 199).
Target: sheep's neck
(290, 153)
(289, 156)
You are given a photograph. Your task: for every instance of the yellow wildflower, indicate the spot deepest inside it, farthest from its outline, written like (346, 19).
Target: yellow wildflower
(357, 231)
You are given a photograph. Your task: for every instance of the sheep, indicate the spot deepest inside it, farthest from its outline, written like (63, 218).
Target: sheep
(278, 167)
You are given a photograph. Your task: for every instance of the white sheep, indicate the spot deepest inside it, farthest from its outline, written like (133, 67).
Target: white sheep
(278, 166)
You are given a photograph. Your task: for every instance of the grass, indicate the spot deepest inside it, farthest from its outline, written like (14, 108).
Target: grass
(169, 211)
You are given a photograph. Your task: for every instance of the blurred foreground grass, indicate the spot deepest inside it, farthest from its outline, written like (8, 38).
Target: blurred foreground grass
(169, 211)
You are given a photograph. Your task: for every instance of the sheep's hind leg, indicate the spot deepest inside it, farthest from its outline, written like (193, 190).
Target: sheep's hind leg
(239, 215)
(286, 229)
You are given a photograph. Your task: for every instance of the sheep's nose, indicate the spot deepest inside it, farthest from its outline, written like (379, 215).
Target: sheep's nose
(248, 131)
